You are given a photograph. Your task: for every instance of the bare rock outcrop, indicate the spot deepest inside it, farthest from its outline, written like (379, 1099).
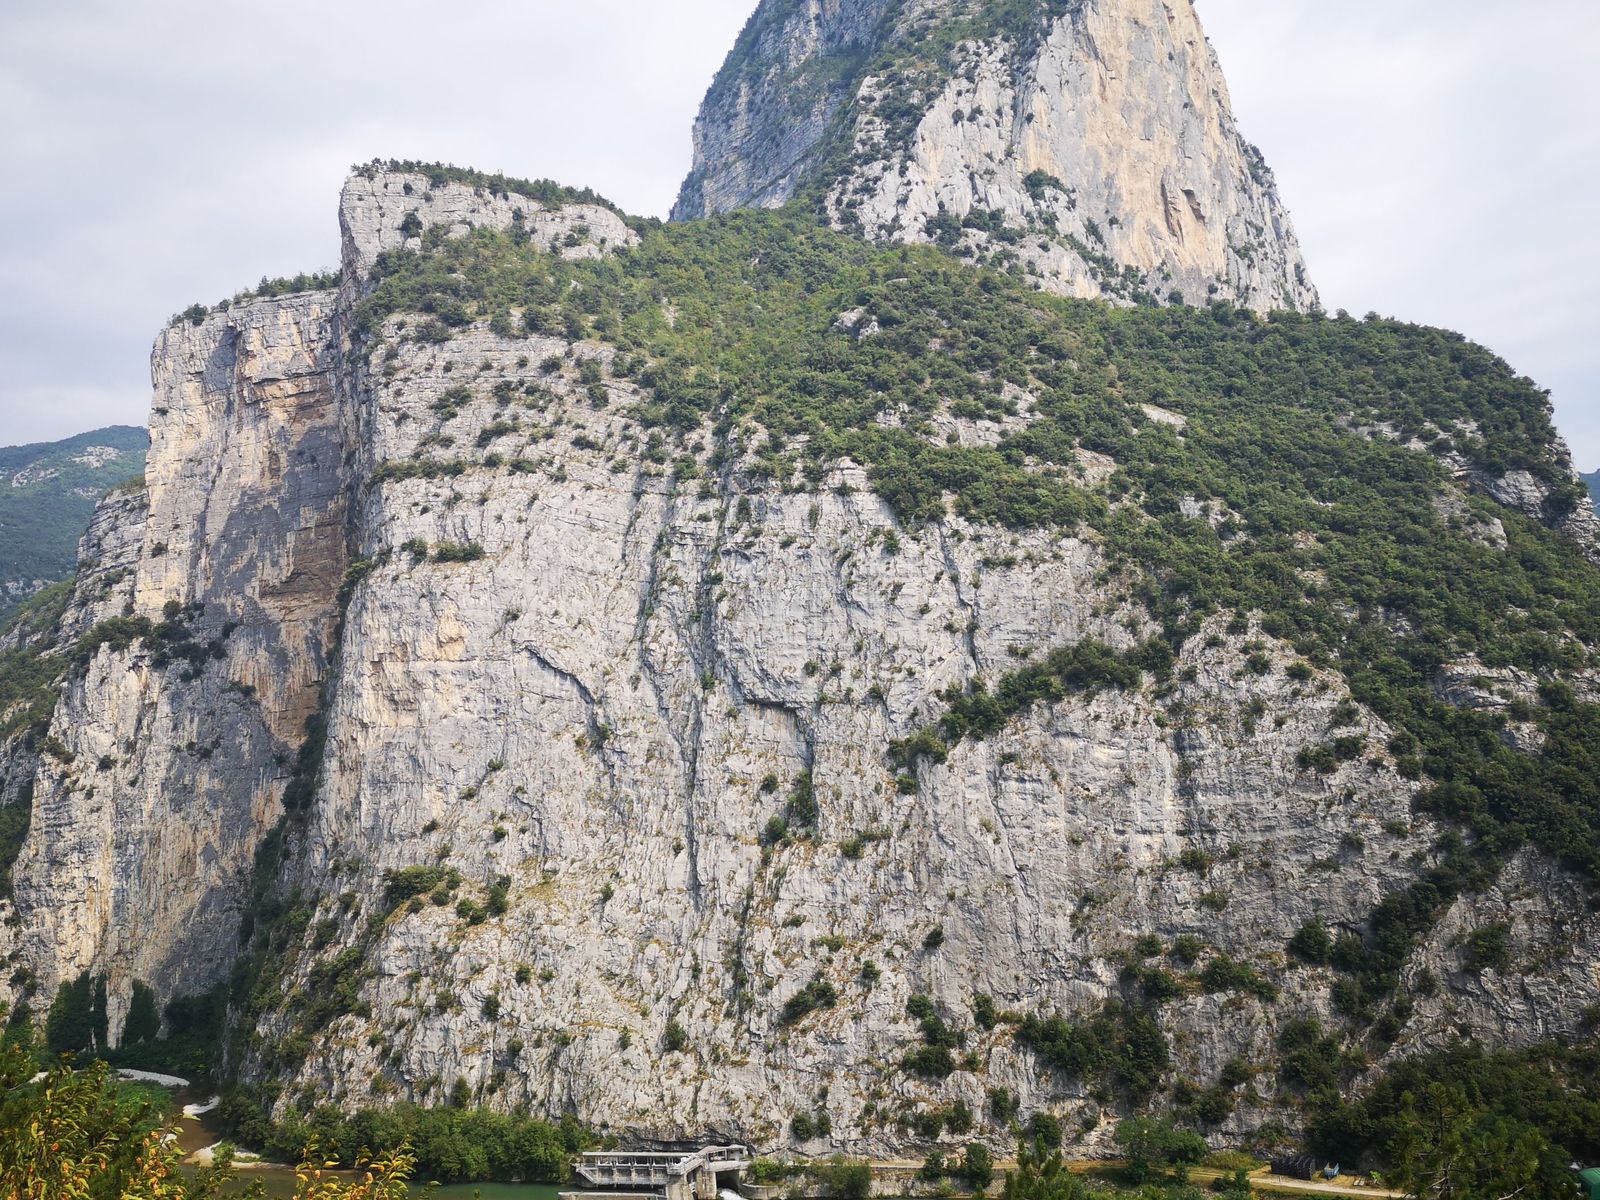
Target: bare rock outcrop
(1092, 141)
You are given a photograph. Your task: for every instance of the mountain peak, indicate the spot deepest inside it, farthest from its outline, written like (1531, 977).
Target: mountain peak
(1090, 143)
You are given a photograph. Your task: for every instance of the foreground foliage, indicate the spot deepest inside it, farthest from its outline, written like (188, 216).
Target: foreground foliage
(71, 1134)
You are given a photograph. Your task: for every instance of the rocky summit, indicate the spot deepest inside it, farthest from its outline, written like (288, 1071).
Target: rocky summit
(1089, 142)
(775, 675)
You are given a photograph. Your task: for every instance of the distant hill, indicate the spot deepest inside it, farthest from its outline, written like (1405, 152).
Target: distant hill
(47, 495)
(1593, 480)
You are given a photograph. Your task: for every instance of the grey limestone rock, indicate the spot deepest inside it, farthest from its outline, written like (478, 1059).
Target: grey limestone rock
(1091, 140)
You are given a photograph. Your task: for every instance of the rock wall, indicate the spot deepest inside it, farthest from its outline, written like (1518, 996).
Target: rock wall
(169, 752)
(1092, 142)
(586, 693)
(204, 612)
(567, 702)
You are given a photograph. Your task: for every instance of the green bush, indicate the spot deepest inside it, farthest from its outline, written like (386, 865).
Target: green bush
(984, 1014)
(819, 993)
(1120, 1046)
(1224, 974)
(457, 552)
(401, 885)
(977, 1167)
(455, 1144)
(1551, 1088)
(1311, 943)
(843, 1178)
(1488, 949)
(1149, 1144)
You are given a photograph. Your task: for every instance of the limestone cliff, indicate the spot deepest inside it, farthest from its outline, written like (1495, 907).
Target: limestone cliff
(559, 693)
(210, 596)
(700, 675)
(1091, 142)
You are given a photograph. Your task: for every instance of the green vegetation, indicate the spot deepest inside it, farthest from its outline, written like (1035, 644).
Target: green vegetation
(838, 1176)
(1312, 943)
(79, 1133)
(30, 680)
(818, 993)
(400, 886)
(77, 1018)
(933, 1058)
(42, 514)
(1551, 1092)
(449, 1144)
(75, 1132)
(1119, 1050)
(1156, 1156)
(1150, 1145)
(143, 1022)
(1084, 669)
(28, 675)
(1323, 532)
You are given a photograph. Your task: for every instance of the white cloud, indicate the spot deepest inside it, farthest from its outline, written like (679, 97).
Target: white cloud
(1439, 163)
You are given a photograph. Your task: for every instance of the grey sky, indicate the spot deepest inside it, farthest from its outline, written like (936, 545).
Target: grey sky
(1440, 159)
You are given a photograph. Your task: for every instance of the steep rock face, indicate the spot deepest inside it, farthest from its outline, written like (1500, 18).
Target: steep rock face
(572, 697)
(388, 210)
(573, 690)
(785, 80)
(172, 749)
(586, 714)
(1093, 141)
(204, 610)
(590, 712)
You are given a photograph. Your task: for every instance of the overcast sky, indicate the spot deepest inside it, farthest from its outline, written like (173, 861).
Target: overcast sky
(1441, 157)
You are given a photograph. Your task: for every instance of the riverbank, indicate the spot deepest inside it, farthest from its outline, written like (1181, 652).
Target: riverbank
(199, 1133)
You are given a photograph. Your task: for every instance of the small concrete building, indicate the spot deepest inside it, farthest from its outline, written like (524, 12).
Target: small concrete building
(660, 1174)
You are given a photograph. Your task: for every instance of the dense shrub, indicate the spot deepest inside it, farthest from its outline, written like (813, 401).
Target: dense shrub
(1554, 1089)
(1120, 1046)
(457, 1144)
(819, 993)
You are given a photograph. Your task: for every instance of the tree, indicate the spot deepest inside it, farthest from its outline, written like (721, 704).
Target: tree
(1312, 942)
(1445, 1150)
(977, 1167)
(1041, 1175)
(77, 1018)
(143, 1023)
(1150, 1144)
